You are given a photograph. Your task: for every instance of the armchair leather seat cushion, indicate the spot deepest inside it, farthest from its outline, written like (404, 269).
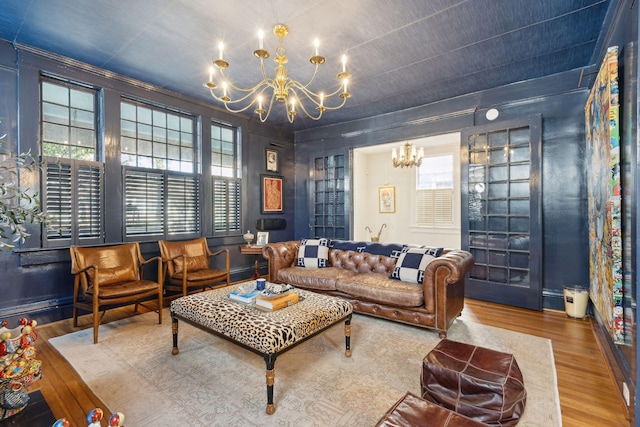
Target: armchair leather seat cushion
(411, 410)
(478, 382)
(125, 289)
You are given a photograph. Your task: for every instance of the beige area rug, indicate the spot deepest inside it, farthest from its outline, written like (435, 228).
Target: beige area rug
(213, 382)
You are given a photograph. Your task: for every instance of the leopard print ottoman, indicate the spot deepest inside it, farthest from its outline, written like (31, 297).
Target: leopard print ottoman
(268, 333)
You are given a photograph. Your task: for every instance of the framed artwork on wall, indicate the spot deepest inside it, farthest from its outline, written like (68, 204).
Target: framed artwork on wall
(272, 194)
(387, 199)
(271, 157)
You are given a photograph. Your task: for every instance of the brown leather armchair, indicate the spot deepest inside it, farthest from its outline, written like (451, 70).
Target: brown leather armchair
(187, 265)
(109, 276)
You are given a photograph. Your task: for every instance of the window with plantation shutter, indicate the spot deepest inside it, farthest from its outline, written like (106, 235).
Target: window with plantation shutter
(226, 182)
(226, 205)
(435, 191)
(144, 202)
(161, 188)
(435, 207)
(72, 178)
(183, 205)
(161, 204)
(73, 199)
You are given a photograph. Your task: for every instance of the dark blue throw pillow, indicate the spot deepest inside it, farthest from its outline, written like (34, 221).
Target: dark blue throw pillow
(412, 263)
(313, 253)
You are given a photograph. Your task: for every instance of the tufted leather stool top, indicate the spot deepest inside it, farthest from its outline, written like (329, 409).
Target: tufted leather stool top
(480, 383)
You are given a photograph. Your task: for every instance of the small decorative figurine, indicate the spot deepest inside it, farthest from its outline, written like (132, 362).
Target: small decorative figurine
(18, 366)
(62, 422)
(117, 420)
(94, 417)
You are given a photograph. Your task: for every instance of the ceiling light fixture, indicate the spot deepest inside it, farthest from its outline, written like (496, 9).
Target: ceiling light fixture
(407, 156)
(294, 95)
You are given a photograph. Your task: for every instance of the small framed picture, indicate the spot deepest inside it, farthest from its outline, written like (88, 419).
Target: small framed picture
(387, 199)
(271, 157)
(272, 194)
(263, 238)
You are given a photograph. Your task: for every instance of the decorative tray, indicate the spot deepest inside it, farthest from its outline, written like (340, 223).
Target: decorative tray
(275, 291)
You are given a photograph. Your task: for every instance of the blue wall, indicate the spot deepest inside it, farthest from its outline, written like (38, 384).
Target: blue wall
(37, 283)
(560, 102)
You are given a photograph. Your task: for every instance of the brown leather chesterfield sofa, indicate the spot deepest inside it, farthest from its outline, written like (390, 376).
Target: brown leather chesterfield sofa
(359, 272)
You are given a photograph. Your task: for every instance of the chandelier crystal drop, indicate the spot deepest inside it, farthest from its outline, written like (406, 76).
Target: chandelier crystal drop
(407, 156)
(295, 96)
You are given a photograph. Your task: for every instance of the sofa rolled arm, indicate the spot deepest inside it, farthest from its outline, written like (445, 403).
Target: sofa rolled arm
(459, 262)
(280, 255)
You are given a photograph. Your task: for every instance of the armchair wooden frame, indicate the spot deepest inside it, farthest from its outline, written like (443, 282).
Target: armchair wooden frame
(111, 276)
(187, 266)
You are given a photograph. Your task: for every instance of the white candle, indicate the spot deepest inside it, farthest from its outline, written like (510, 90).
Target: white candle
(221, 48)
(259, 103)
(210, 74)
(321, 98)
(224, 88)
(316, 43)
(293, 105)
(344, 63)
(345, 85)
(261, 38)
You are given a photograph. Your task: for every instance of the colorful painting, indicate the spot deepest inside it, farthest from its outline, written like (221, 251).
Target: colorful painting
(272, 197)
(605, 229)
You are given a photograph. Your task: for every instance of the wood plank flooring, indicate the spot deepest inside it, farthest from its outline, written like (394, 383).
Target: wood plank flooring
(587, 394)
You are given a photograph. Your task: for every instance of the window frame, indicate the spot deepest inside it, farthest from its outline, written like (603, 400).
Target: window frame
(229, 221)
(449, 148)
(72, 230)
(163, 228)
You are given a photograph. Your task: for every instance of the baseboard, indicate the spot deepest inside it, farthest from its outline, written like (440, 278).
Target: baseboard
(615, 366)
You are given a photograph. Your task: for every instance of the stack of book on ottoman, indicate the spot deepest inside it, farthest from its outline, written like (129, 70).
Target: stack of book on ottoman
(277, 302)
(273, 297)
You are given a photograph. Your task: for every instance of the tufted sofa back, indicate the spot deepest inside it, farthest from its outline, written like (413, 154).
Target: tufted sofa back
(361, 262)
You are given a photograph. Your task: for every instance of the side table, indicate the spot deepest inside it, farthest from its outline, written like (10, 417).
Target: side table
(253, 250)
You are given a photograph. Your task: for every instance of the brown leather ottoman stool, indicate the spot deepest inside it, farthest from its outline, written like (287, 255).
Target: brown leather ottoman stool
(480, 383)
(412, 411)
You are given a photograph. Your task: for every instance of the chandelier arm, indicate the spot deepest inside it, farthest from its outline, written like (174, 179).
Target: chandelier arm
(302, 107)
(264, 119)
(250, 90)
(344, 100)
(313, 96)
(313, 77)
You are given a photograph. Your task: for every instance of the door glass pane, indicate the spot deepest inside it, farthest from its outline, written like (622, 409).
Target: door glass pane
(329, 199)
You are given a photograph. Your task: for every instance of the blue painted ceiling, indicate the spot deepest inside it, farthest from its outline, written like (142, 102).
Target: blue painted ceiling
(401, 53)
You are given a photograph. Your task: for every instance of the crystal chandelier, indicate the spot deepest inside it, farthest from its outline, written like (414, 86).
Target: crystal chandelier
(294, 96)
(407, 156)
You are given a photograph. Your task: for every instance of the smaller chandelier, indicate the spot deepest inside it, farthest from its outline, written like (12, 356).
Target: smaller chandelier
(294, 96)
(407, 156)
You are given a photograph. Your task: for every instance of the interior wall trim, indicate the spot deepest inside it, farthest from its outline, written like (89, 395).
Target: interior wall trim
(25, 309)
(410, 123)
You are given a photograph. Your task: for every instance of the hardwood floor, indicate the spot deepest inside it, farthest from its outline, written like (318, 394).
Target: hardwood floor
(587, 394)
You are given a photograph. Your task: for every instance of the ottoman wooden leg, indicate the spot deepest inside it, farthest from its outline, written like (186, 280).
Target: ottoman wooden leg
(270, 360)
(174, 331)
(347, 336)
